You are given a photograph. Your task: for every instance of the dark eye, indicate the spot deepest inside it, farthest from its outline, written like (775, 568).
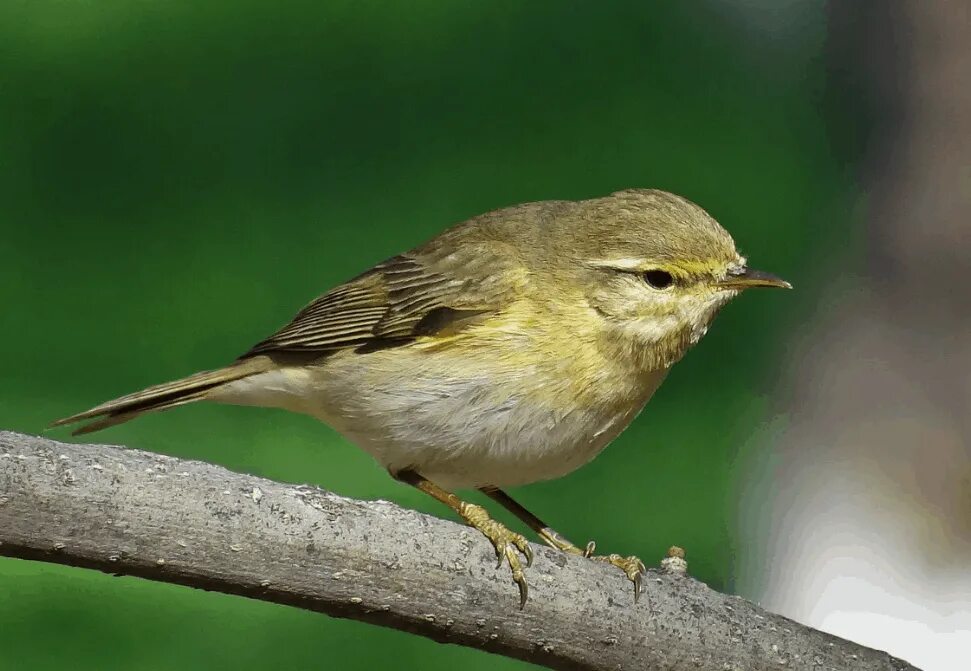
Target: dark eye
(659, 279)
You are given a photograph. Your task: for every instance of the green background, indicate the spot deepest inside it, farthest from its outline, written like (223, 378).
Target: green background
(176, 180)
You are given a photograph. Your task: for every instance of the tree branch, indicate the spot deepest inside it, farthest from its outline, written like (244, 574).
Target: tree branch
(136, 513)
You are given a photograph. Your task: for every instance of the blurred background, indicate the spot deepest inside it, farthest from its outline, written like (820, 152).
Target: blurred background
(177, 179)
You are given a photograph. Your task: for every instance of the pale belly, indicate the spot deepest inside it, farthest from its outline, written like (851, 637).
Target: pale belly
(457, 426)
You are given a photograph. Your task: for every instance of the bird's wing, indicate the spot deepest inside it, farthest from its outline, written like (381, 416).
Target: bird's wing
(399, 300)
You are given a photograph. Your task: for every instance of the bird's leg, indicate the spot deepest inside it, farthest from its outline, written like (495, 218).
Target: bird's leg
(632, 566)
(550, 536)
(508, 544)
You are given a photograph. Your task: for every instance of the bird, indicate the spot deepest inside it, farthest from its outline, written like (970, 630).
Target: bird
(511, 348)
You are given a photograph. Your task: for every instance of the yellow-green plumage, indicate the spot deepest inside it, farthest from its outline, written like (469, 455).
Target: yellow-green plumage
(532, 320)
(511, 348)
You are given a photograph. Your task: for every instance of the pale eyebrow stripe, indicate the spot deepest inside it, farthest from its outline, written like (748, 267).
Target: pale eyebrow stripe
(642, 264)
(619, 264)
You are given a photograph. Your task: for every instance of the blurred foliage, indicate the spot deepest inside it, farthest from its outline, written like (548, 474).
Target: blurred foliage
(178, 178)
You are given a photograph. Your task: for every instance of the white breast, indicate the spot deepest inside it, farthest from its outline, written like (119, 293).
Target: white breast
(413, 409)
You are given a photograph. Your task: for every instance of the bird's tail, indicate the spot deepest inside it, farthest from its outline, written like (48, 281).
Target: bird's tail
(164, 396)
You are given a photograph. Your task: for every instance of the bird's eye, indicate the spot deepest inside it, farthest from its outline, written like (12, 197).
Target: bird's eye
(658, 279)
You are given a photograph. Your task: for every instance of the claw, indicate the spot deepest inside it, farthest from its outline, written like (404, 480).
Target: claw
(523, 592)
(523, 546)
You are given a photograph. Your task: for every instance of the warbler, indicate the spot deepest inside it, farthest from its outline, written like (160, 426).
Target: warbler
(511, 348)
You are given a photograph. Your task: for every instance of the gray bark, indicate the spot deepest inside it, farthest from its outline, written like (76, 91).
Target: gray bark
(136, 513)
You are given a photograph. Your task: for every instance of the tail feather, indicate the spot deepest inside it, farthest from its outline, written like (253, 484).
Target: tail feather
(164, 396)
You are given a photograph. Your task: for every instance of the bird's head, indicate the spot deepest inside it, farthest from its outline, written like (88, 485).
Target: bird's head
(656, 268)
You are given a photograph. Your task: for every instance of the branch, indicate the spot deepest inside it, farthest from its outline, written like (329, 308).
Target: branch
(136, 513)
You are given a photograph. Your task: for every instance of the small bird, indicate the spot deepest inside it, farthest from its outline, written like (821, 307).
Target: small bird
(509, 349)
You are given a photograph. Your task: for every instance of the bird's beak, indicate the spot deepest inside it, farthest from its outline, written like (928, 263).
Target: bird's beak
(746, 279)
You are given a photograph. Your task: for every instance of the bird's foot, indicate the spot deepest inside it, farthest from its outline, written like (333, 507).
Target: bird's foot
(508, 544)
(632, 566)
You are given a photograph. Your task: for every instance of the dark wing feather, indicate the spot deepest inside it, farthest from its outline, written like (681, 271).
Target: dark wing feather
(394, 302)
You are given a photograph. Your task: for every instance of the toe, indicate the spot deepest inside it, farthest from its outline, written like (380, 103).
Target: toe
(518, 576)
(523, 546)
(638, 587)
(633, 567)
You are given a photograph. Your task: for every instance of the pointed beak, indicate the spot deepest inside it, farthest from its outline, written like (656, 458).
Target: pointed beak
(746, 279)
